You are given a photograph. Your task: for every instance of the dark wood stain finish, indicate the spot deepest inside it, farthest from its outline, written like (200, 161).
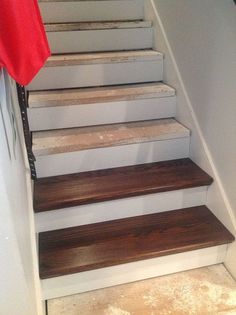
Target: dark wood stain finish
(121, 241)
(95, 186)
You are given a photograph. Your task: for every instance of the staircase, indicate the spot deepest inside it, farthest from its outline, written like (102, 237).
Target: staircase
(117, 198)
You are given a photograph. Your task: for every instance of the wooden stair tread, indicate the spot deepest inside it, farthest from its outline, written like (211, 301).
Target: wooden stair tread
(95, 186)
(81, 26)
(103, 57)
(99, 94)
(84, 138)
(99, 245)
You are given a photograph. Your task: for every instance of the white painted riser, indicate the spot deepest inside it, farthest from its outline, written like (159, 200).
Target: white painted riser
(100, 40)
(78, 11)
(135, 271)
(103, 158)
(97, 114)
(121, 208)
(97, 75)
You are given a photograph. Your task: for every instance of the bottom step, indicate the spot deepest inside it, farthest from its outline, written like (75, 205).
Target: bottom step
(140, 270)
(105, 244)
(101, 245)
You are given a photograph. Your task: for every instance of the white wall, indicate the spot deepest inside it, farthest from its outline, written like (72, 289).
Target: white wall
(17, 270)
(198, 38)
(202, 35)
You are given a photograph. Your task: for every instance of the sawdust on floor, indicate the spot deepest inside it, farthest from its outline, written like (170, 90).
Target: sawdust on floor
(204, 291)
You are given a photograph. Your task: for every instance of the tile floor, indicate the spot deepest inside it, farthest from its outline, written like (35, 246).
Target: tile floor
(205, 291)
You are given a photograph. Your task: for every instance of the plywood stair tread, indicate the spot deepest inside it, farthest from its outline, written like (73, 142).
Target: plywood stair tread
(82, 96)
(80, 26)
(84, 138)
(73, 0)
(95, 186)
(105, 244)
(103, 57)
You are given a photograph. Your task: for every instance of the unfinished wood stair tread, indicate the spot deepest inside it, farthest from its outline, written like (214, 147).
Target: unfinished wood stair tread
(92, 95)
(73, 0)
(99, 245)
(84, 138)
(80, 26)
(95, 186)
(103, 57)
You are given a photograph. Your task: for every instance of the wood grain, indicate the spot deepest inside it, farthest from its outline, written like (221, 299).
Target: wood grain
(121, 241)
(88, 187)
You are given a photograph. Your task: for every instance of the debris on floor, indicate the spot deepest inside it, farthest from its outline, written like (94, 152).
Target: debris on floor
(204, 291)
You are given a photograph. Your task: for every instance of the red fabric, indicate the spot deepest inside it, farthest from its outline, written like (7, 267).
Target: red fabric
(23, 43)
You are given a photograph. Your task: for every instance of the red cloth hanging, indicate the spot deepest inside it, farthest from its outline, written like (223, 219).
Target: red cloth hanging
(23, 43)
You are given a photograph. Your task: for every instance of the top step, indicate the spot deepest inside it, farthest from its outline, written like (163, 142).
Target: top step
(58, 11)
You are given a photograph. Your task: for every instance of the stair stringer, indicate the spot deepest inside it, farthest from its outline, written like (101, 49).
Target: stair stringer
(217, 199)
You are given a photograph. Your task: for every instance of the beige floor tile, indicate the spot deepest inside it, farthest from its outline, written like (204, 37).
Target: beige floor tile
(204, 291)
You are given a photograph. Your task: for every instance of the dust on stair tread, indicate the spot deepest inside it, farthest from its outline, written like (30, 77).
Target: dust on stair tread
(103, 57)
(99, 94)
(84, 138)
(79, 26)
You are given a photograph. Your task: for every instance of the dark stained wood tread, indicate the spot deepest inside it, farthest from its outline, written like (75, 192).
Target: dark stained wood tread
(121, 241)
(95, 186)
